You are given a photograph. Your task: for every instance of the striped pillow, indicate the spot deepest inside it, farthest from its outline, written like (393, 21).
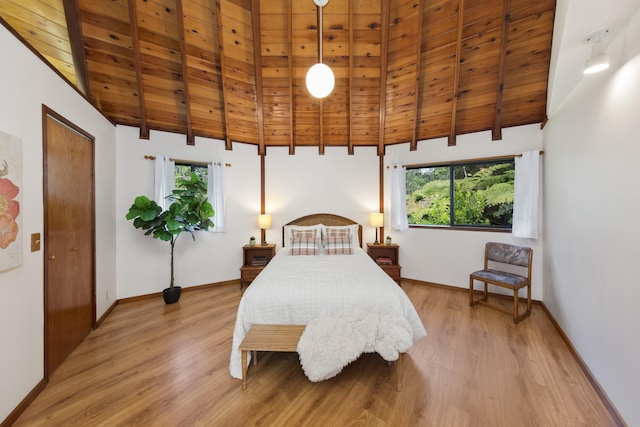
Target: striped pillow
(304, 242)
(338, 242)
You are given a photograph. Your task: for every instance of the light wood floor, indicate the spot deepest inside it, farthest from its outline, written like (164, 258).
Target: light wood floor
(155, 365)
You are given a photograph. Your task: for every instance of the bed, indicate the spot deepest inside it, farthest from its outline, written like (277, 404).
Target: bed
(329, 276)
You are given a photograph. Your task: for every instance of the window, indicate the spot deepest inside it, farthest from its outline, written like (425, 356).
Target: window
(183, 171)
(472, 194)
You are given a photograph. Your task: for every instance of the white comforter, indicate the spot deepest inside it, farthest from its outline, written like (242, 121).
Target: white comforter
(297, 289)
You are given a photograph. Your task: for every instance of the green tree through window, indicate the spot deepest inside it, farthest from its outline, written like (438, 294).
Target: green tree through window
(481, 194)
(183, 171)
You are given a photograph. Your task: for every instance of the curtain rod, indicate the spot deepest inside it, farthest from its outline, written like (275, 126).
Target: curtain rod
(483, 159)
(193, 162)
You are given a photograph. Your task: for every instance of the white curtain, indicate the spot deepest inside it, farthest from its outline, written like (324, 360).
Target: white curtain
(526, 195)
(216, 194)
(399, 219)
(164, 180)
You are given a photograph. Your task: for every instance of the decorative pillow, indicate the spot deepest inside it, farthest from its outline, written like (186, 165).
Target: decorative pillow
(353, 232)
(289, 228)
(338, 242)
(304, 242)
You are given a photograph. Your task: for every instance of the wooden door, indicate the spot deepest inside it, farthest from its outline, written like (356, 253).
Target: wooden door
(69, 290)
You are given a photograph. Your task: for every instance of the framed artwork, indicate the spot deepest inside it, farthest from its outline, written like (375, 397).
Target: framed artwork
(10, 202)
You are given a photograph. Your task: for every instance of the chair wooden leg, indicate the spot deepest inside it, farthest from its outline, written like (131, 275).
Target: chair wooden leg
(470, 291)
(515, 306)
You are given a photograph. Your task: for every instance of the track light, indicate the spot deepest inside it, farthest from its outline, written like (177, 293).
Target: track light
(596, 63)
(598, 60)
(320, 79)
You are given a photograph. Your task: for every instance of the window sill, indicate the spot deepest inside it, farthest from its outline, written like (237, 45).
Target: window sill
(461, 228)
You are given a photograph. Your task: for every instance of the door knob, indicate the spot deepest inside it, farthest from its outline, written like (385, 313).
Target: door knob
(52, 257)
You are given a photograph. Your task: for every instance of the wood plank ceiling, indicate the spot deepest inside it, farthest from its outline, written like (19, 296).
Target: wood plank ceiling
(406, 70)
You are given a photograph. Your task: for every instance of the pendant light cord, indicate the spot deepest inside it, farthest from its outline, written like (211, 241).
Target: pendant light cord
(320, 39)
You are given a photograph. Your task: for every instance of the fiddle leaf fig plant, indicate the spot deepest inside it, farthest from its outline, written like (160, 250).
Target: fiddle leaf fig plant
(189, 211)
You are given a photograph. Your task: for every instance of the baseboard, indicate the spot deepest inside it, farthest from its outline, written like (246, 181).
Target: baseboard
(465, 290)
(106, 314)
(189, 289)
(22, 406)
(592, 379)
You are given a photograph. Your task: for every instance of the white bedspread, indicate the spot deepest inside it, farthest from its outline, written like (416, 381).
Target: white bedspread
(297, 289)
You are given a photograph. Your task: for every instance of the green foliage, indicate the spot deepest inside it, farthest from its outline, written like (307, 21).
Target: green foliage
(189, 211)
(469, 204)
(483, 194)
(430, 204)
(184, 171)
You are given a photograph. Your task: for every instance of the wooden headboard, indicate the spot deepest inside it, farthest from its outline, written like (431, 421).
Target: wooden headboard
(326, 219)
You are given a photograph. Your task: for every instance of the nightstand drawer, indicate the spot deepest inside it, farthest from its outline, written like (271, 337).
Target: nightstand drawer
(248, 273)
(393, 271)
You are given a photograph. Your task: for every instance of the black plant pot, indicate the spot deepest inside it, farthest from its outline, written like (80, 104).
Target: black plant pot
(171, 296)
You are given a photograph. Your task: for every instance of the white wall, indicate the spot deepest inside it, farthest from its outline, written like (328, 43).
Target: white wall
(307, 183)
(25, 84)
(448, 256)
(592, 207)
(143, 262)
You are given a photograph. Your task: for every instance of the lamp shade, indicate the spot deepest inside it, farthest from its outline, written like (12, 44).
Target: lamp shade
(320, 80)
(376, 219)
(264, 221)
(596, 63)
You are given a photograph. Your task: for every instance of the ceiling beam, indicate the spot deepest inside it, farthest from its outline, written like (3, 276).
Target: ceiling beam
(185, 71)
(135, 42)
(321, 124)
(384, 49)
(413, 146)
(350, 106)
(320, 100)
(257, 59)
(76, 40)
(456, 75)
(292, 142)
(496, 133)
(223, 75)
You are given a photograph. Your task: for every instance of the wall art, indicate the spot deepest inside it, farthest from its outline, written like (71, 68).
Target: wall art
(10, 202)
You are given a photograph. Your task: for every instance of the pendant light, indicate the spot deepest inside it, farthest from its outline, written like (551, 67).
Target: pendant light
(320, 79)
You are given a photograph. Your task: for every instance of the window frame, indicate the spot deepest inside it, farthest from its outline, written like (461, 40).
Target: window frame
(191, 165)
(451, 165)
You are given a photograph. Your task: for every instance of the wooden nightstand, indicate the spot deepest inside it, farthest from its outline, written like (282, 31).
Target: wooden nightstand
(254, 259)
(386, 256)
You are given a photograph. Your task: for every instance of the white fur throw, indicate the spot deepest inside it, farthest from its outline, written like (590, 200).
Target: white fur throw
(329, 344)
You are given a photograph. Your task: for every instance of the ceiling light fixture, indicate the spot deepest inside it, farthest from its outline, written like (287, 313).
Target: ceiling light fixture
(598, 60)
(320, 79)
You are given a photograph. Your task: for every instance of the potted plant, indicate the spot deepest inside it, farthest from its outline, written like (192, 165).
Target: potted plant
(189, 211)
(388, 240)
(252, 241)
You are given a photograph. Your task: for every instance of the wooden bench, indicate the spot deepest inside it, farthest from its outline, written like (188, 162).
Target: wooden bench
(279, 338)
(268, 338)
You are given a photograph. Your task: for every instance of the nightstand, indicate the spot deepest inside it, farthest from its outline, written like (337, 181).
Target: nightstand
(386, 256)
(254, 260)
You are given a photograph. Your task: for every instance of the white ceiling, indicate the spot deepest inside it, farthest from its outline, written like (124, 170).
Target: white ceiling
(575, 19)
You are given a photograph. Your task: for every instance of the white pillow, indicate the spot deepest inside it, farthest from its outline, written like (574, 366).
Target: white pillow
(353, 228)
(287, 232)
